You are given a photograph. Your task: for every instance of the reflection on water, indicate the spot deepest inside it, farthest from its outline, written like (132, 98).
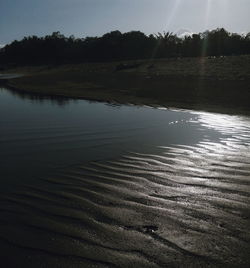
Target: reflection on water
(234, 127)
(185, 207)
(97, 185)
(38, 136)
(38, 98)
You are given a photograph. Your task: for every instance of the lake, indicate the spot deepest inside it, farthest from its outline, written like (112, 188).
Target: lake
(82, 182)
(39, 135)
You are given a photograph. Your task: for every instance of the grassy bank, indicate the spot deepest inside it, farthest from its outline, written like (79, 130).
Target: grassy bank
(214, 84)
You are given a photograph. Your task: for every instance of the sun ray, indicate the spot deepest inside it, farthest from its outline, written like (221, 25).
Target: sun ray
(170, 18)
(174, 10)
(208, 13)
(207, 19)
(205, 40)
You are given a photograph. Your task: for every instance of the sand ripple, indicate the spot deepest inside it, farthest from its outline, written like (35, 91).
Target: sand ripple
(187, 206)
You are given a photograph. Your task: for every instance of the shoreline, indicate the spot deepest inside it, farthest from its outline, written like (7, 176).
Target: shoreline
(224, 87)
(136, 102)
(183, 203)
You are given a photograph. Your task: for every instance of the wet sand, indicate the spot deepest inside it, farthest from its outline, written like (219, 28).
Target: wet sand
(187, 206)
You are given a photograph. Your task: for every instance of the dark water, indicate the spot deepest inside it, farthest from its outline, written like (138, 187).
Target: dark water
(95, 185)
(39, 135)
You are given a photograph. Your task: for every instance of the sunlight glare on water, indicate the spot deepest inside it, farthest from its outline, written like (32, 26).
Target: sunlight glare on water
(133, 183)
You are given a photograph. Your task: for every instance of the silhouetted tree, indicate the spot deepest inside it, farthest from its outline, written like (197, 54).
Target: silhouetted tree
(57, 49)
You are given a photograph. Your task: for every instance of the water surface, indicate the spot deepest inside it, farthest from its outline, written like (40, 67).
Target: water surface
(88, 184)
(39, 135)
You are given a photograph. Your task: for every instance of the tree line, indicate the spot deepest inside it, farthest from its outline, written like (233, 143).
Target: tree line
(115, 46)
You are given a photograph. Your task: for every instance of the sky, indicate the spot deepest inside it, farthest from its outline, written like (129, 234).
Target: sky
(19, 18)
